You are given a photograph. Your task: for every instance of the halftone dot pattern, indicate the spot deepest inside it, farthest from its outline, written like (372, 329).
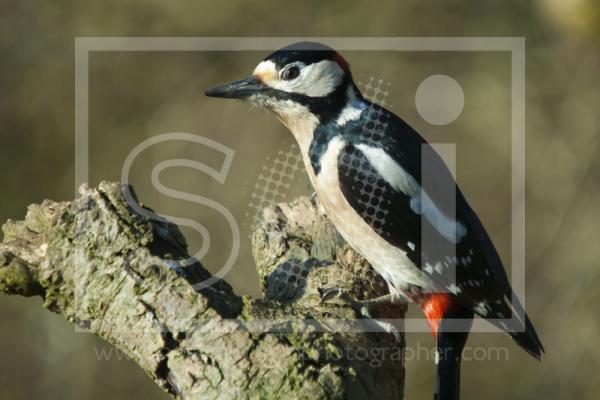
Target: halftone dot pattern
(277, 174)
(375, 90)
(288, 281)
(275, 180)
(372, 206)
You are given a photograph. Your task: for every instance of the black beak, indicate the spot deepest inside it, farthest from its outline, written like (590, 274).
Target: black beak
(238, 89)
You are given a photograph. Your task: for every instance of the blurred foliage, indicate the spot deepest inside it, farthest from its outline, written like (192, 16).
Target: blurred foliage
(136, 96)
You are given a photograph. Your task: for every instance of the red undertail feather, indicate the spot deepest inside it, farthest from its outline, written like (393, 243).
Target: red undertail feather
(434, 308)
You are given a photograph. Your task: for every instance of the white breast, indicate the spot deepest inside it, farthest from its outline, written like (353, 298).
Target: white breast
(392, 263)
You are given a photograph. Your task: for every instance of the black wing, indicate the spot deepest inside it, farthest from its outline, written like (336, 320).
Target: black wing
(459, 268)
(470, 267)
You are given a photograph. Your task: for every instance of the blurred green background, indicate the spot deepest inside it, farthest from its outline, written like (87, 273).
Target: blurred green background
(134, 96)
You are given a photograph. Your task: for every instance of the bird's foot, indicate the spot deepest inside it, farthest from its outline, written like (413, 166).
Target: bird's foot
(313, 199)
(362, 308)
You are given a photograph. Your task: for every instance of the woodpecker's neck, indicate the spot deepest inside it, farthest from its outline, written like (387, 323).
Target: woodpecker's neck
(331, 106)
(303, 115)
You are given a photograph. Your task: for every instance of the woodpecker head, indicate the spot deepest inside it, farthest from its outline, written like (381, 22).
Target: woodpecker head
(300, 81)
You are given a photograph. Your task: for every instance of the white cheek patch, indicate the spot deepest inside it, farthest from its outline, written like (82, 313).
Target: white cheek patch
(315, 80)
(420, 201)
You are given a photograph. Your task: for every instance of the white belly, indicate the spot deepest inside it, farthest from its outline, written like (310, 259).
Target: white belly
(392, 263)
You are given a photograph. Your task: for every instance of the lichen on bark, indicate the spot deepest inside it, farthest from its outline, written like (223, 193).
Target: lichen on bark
(116, 273)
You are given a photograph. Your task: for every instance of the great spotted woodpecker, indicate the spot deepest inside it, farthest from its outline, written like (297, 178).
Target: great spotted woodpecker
(367, 166)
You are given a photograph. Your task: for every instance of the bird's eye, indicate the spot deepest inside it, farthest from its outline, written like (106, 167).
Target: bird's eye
(290, 73)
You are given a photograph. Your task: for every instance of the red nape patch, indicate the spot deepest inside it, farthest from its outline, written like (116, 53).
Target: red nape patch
(434, 309)
(341, 62)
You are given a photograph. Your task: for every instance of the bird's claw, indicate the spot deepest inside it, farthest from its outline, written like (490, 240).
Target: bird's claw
(334, 292)
(362, 308)
(358, 306)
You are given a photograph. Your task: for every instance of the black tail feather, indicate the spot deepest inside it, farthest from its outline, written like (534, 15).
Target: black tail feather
(529, 340)
(447, 381)
(526, 336)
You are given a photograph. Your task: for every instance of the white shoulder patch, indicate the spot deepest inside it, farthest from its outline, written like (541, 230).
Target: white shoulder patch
(390, 170)
(420, 202)
(351, 112)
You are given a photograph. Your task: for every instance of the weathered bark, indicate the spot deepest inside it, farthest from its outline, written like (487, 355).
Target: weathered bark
(120, 275)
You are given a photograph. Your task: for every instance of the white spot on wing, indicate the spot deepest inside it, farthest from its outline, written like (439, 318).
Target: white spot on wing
(481, 308)
(454, 289)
